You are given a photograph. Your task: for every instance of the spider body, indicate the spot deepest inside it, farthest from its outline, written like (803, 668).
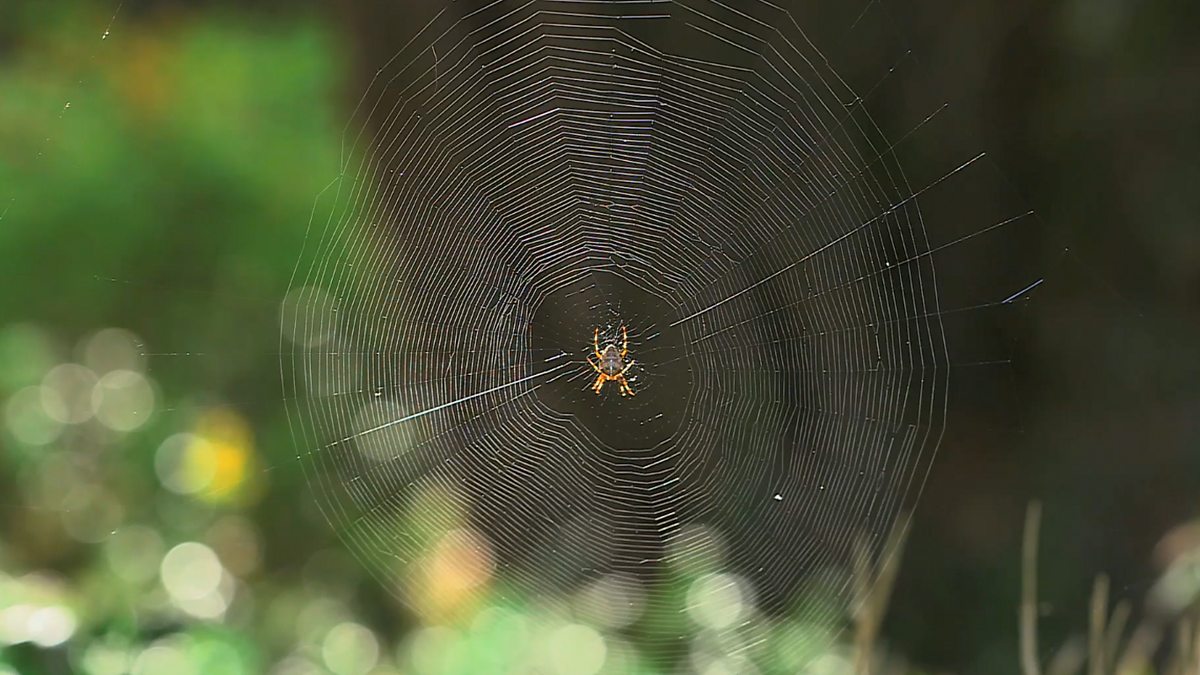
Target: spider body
(610, 363)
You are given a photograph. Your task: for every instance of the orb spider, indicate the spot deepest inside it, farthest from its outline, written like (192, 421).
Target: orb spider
(610, 364)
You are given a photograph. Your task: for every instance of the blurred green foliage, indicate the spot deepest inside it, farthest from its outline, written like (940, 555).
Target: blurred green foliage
(158, 179)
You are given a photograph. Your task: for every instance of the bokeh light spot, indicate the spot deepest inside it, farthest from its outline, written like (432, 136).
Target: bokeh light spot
(455, 574)
(432, 649)
(695, 550)
(100, 658)
(67, 393)
(112, 349)
(163, 658)
(191, 571)
(212, 462)
(51, 626)
(576, 649)
(123, 400)
(134, 553)
(227, 445)
(350, 649)
(613, 601)
(182, 464)
(14, 623)
(716, 601)
(27, 420)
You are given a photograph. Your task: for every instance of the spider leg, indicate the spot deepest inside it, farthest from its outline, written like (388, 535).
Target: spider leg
(624, 342)
(594, 365)
(599, 383)
(596, 343)
(626, 390)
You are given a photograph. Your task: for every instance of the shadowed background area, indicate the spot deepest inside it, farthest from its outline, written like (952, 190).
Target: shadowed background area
(156, 187)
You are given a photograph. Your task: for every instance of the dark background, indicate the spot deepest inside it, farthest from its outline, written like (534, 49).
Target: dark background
(1089, 113)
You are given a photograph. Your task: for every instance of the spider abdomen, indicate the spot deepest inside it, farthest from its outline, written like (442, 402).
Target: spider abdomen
(611, 362)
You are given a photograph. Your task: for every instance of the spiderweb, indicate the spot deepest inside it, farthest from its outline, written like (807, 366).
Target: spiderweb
(522, 174)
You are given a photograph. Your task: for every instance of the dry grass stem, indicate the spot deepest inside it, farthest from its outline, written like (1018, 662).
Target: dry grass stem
(1116, 631)
(1028, 609)
(873, 583)
(1097, 656)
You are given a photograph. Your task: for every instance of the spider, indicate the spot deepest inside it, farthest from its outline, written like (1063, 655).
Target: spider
(610, 364)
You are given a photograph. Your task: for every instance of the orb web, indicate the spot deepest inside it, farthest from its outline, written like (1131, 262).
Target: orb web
(521, 176)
